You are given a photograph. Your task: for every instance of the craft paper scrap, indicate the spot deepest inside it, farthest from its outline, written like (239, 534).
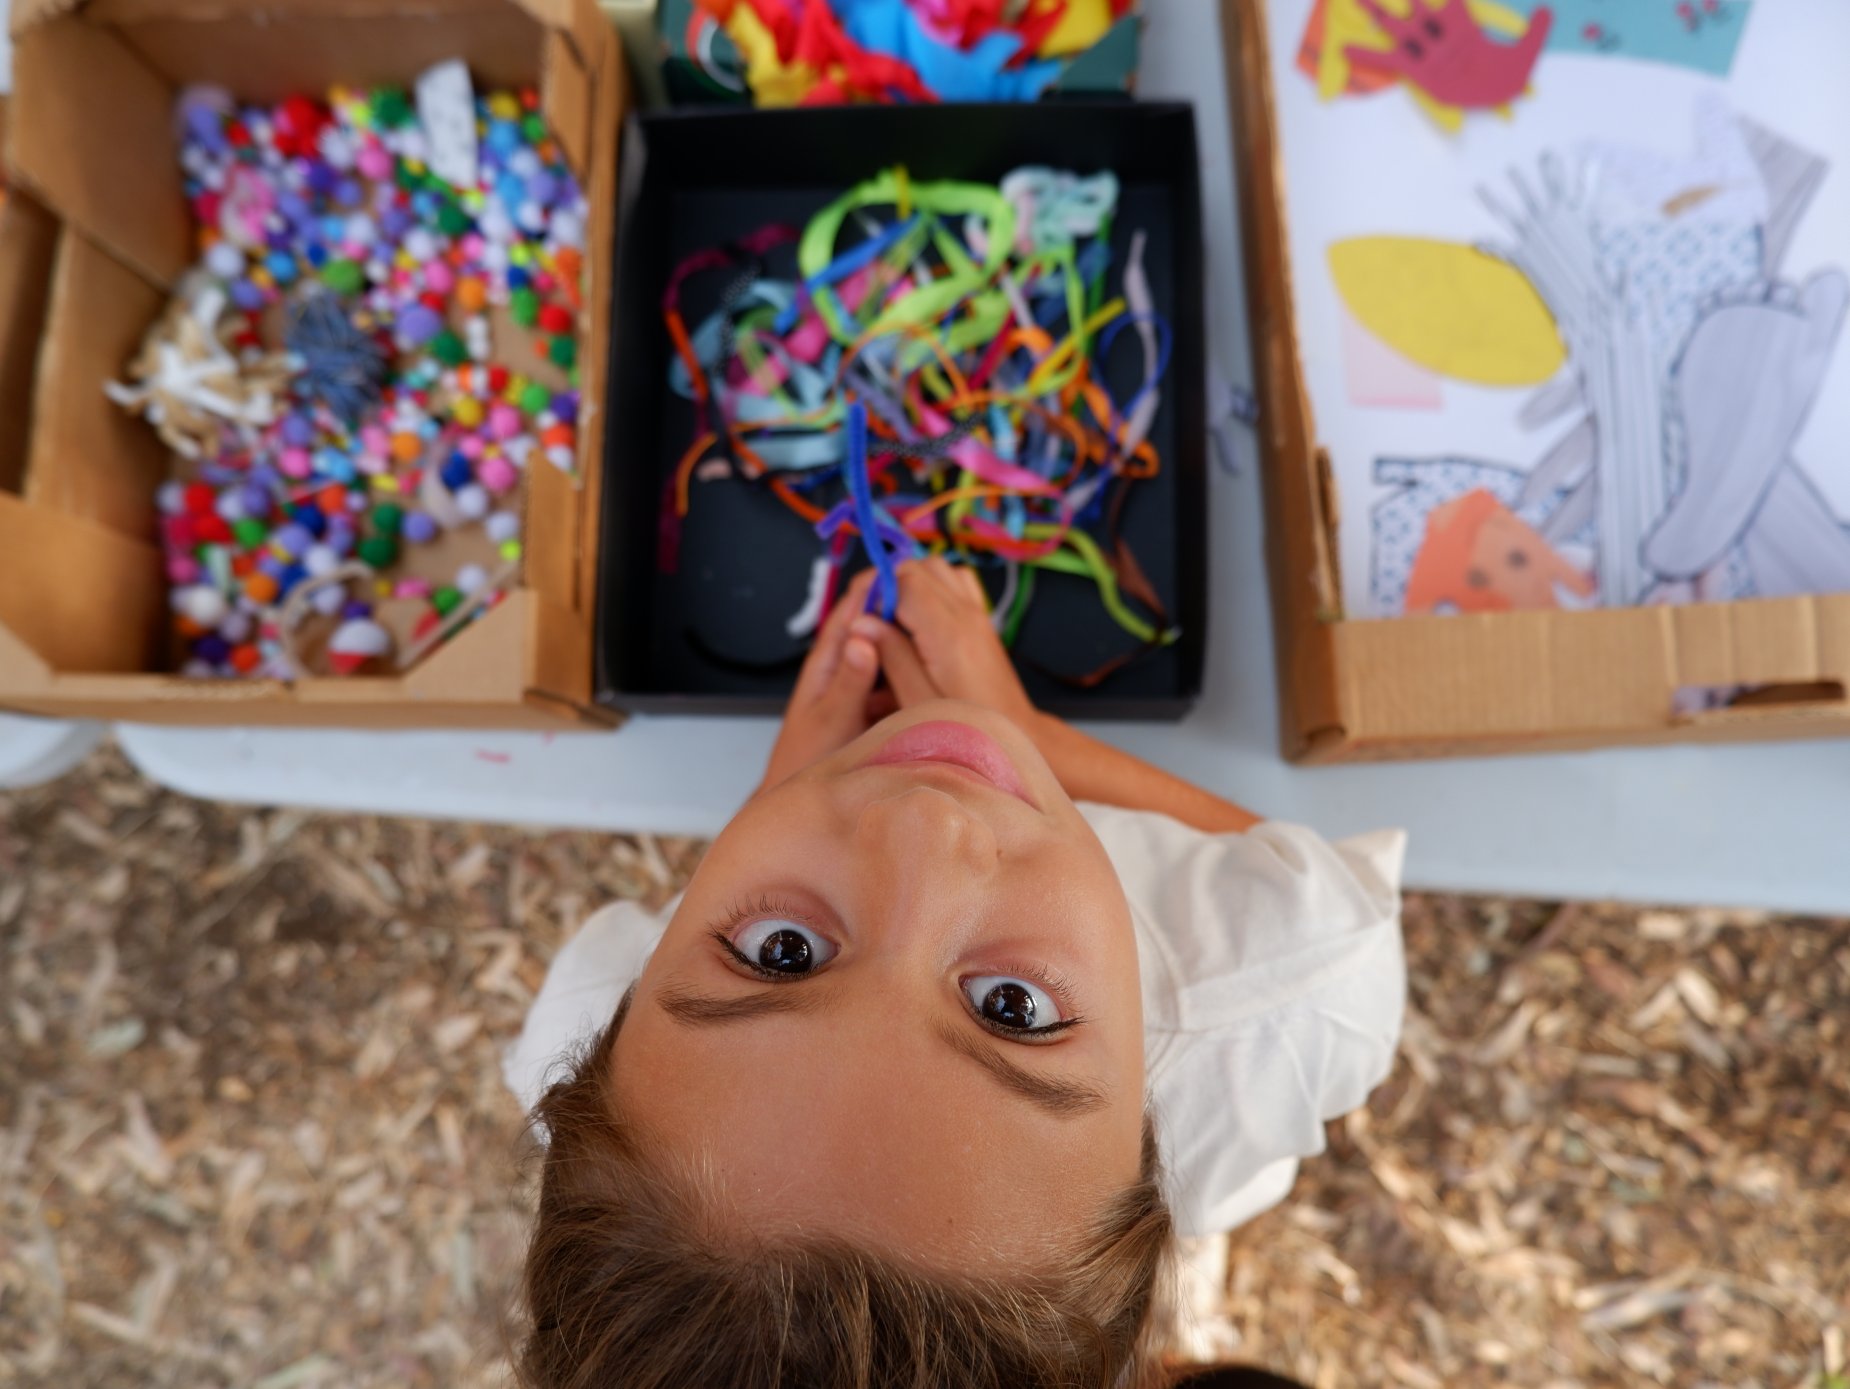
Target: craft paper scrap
(1698, 34)
(1592, 354)
(1381, 377)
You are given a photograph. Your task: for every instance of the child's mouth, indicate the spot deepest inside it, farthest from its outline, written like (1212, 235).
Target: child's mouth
(954, 745)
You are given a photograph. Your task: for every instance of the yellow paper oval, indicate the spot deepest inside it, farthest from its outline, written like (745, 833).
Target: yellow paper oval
(1449, 307)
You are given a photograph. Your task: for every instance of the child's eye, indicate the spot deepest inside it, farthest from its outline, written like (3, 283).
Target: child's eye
(781, 947)
(1014, 1004)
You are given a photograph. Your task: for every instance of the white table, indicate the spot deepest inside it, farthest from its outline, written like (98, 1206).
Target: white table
(1752, 825)
(36, 750)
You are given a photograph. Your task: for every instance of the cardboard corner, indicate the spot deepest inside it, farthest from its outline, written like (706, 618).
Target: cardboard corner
(1300, 539)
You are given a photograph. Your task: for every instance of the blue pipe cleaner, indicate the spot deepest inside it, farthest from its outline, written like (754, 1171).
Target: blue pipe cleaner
(342, 367)
(885, 594)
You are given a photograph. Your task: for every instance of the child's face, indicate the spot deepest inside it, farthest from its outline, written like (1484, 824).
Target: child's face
(897, 1076)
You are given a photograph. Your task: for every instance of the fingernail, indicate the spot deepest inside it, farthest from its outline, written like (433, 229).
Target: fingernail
(867, 628)
(861, 656)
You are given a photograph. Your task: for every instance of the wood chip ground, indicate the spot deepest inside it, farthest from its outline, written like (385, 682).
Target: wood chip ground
(253, 1130)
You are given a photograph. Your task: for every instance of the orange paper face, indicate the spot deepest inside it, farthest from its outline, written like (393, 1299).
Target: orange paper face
(1480, 557)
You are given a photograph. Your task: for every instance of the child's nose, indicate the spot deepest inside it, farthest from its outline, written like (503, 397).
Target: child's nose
(923, 847)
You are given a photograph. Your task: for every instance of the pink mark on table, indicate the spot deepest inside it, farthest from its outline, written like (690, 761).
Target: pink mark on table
(500, 759)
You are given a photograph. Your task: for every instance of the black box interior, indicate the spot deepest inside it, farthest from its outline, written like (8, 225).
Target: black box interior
(707, 633)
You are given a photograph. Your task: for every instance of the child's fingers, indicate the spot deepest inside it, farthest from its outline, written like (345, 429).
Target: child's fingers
(899, 658)
(851, 602)
(949, 579)
(840, 703)
(928, 601)
(826, 653)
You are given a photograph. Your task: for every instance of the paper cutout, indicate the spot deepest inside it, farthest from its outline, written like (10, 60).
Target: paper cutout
(1347, 51)
(1413, 489)
(1335, 26)
(774, 83)
(1791, 176)
(1478, 557)
(1746, 385)
(446, 111)
(1443, 51)
(1081, 24)
(1107, 65)
(1380, 378)
(1703, 35)
(1449, 308)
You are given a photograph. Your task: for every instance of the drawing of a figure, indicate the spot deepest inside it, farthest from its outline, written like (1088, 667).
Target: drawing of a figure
(1691, 369)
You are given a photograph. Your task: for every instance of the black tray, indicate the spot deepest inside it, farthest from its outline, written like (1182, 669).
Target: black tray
(680, 642)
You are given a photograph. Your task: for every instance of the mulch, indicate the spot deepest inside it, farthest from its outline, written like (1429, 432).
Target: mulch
(253, 1130)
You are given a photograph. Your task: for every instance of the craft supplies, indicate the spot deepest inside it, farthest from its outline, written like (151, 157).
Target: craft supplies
(927, 374)
(824, 52)
(329, 371)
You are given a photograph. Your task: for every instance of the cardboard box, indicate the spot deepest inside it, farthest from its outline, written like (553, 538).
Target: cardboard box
(742, 561)
(1473, 684)
(83, 600)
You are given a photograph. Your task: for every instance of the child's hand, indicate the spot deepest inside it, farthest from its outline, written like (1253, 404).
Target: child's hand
(953, 651)
(829, 708)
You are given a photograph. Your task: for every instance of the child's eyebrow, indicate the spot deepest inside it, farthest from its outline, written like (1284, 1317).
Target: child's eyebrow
(701, 1010)
(1064, 1099)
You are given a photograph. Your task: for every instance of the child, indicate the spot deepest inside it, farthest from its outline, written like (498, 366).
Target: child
(961, 1018)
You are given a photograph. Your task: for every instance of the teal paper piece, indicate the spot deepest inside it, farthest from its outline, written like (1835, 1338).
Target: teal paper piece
(1703, 35)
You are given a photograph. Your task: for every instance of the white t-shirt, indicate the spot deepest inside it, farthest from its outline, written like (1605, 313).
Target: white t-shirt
(1273, 991)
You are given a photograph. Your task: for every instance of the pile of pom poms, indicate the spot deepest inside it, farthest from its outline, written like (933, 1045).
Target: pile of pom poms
(351, 445)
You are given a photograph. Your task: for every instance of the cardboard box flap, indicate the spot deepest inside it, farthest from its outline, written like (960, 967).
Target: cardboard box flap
(567, 93)
(1782, 641)
(102, 164)
(27, 13)
(90, 458)
(28, 248)
(77, 596)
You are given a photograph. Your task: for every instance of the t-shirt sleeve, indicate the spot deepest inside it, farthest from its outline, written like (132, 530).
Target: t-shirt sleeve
(586, 981)
(1280, 996)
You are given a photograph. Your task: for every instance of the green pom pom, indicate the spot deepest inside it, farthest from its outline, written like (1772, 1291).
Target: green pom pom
(387, 518)
(250, 532)
(446, 600)
(452, 220)
(533, 128)
(534, 398)
(563, 350)
(447, 348)
(379, 551)
(343, 276)
(524, 304)
(391, 108)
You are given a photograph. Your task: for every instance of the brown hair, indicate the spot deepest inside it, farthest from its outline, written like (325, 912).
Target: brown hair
(622, 1290)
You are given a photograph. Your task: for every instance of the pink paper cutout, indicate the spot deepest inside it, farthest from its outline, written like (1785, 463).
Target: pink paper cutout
(1380, 378)
(1442, 49)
